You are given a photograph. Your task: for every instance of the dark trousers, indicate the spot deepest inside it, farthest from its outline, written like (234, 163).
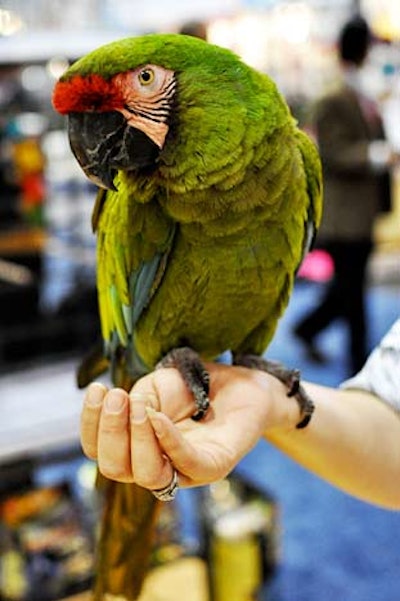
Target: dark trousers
(344, 298)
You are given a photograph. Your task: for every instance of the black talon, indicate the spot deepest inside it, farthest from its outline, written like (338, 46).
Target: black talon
(289, 377)
(194, 374)
(202, 404)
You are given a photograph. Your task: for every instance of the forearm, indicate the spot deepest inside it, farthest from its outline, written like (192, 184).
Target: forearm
(353, 441)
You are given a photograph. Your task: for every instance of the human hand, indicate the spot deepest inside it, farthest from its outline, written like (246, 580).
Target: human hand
(137, 437)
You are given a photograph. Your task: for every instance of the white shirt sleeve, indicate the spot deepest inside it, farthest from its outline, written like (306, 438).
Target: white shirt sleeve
(381, 373)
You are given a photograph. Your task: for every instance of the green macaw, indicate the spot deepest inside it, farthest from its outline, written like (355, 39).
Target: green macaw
(209, 199)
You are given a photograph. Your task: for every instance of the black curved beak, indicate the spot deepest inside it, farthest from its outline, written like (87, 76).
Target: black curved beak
(92, 137)
(103, 143)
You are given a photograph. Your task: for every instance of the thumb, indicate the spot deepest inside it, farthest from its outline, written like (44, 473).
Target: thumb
(167, 392)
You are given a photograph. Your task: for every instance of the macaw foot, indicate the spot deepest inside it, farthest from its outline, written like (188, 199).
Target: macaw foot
(194, 374)
(289, 377)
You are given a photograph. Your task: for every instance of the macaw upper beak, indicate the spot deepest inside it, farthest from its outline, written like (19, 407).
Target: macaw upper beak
(103, 143)
(91, 136)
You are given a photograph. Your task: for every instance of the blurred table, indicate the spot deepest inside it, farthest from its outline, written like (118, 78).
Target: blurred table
(39, 410)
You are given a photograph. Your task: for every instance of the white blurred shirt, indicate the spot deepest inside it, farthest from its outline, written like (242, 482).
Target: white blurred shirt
(381, 373)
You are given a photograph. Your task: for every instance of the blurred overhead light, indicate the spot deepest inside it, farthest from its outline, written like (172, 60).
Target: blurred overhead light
(10, 22)
(56, 66)
(246, 34)
(293, 21)
(384, 17)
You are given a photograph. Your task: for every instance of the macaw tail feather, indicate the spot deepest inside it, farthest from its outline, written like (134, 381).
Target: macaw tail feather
(124, 547)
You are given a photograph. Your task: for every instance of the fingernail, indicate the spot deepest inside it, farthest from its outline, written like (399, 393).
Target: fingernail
(95, 395)
(115, 402)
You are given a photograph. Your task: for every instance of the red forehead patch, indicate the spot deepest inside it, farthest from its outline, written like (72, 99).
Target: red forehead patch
(83, 94)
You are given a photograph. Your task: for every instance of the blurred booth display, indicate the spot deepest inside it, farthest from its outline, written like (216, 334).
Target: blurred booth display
(48, 514)
(317, 266)
(241, 536)
(47, 290)
(29, 163)
(45, 550)
(22, 194)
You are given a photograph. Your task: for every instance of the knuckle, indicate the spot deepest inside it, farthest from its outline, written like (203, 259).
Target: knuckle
(90, 450)
(171, 445)
(115, 472)
(150, 482)
(112, 425)
(187, 465)
(143, 434)
(153, 476)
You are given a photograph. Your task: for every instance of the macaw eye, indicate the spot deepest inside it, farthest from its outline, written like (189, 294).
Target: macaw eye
(146, 77)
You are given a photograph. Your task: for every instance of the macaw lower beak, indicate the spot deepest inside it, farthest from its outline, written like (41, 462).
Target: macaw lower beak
(103, 143)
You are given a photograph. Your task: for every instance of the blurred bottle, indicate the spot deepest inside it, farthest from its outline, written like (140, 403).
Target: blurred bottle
(241, 540)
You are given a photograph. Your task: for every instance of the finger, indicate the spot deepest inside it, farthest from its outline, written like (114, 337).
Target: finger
(113, 446)
(168, 393)
(150, 467)
(194, 464)
(90, 418)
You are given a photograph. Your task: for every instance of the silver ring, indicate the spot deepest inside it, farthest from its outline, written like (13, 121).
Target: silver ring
(168, 493)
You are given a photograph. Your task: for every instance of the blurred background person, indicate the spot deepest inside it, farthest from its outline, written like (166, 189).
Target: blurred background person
(356, 160)
(197, 29)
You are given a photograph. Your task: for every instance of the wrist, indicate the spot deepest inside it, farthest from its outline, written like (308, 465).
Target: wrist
(283, 410)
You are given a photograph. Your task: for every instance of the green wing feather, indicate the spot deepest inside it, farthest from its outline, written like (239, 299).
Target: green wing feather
(131, 263)
(313, 173)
